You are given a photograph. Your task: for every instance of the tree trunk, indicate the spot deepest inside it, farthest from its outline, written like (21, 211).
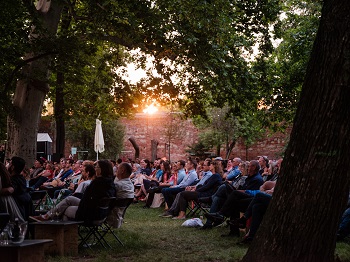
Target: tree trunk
(59, 115)
(230, 148)
(31, 91)
(154, 146)
(136, 147)
(312, 190)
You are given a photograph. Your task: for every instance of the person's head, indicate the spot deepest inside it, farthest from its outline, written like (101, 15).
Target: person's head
(253, 167)
(166, 167)
(49, 166)
(17, 164)
(243, 168)
(77, 165)
(263, 161)
(206, 165)
(124, 171)
(38, 163)
(236, 161)
(229, 163)
(88, 171)
(216, 167)
(104, 168)
(145, 163)
(191, 164)
(62, 162)
(181, 164)
(136, 168)
(173, 166)
(69, 163)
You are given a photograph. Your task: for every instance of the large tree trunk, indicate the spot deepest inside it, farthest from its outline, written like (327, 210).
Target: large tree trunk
(59, 115)
(311, 193)
(31, 91)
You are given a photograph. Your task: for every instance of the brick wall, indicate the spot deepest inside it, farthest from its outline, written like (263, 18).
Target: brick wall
(143, 128)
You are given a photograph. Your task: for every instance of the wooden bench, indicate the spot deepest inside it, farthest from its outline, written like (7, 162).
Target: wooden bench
(27, 251)
(63, 233)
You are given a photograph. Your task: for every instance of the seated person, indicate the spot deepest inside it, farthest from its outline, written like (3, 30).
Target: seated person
(124, 193)
(59, 182)
(88, 173)
(167, 179)
(20, 194)
(136, 172)
(7, 202)
(256, 211)
(190, 178)
(42, 177)
(145, 180)
(86, 209)
(205, 187)
(232, 170)
(252, 182)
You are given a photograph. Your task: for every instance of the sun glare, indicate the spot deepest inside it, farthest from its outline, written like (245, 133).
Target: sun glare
(151, 109)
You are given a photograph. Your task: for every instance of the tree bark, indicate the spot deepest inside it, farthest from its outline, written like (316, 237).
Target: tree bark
(136, 147)
(154, 146)
(311, 193)
(31, 91)
(59, 115)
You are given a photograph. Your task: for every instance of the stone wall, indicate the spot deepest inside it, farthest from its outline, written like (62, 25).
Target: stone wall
(144, 128)
(147, 127)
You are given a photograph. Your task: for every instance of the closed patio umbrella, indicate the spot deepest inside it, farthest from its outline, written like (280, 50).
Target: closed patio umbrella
(99, 141)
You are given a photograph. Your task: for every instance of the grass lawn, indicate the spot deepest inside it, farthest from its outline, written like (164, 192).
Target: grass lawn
(148, 237)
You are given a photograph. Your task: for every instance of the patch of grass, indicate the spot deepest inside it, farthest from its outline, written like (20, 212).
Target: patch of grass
(148, 237)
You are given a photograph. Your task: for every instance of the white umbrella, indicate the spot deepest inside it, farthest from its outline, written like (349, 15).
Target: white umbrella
(99, 141)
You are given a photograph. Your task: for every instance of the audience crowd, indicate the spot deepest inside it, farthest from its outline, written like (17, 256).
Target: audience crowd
(232, 192)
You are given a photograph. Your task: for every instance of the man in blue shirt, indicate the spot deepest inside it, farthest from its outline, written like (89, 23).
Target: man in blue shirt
(234, 172)
(181, 173)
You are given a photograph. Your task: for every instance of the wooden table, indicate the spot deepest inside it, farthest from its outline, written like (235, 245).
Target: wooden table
(27, 251)
(63, 233)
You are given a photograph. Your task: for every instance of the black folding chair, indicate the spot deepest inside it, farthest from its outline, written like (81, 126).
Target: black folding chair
(96, 228)
(196, 207)
(117, 203)
(38, 197)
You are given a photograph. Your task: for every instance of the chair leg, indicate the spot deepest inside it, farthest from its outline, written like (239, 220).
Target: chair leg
(109, 229)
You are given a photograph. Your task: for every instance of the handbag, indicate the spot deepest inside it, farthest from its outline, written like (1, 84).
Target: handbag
(154, 189)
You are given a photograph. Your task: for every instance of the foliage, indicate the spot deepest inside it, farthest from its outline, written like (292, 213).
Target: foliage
(199, 149)
(14, 31)
(285, 69)
(81, 134)
(223, 128)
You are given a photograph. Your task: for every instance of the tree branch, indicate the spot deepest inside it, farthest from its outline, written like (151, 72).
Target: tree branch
(18, 67)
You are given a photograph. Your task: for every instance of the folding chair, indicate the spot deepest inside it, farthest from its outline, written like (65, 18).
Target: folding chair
(197, 207)
(38, 199)
(122, 204)
(4, 219)
(96, 228)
